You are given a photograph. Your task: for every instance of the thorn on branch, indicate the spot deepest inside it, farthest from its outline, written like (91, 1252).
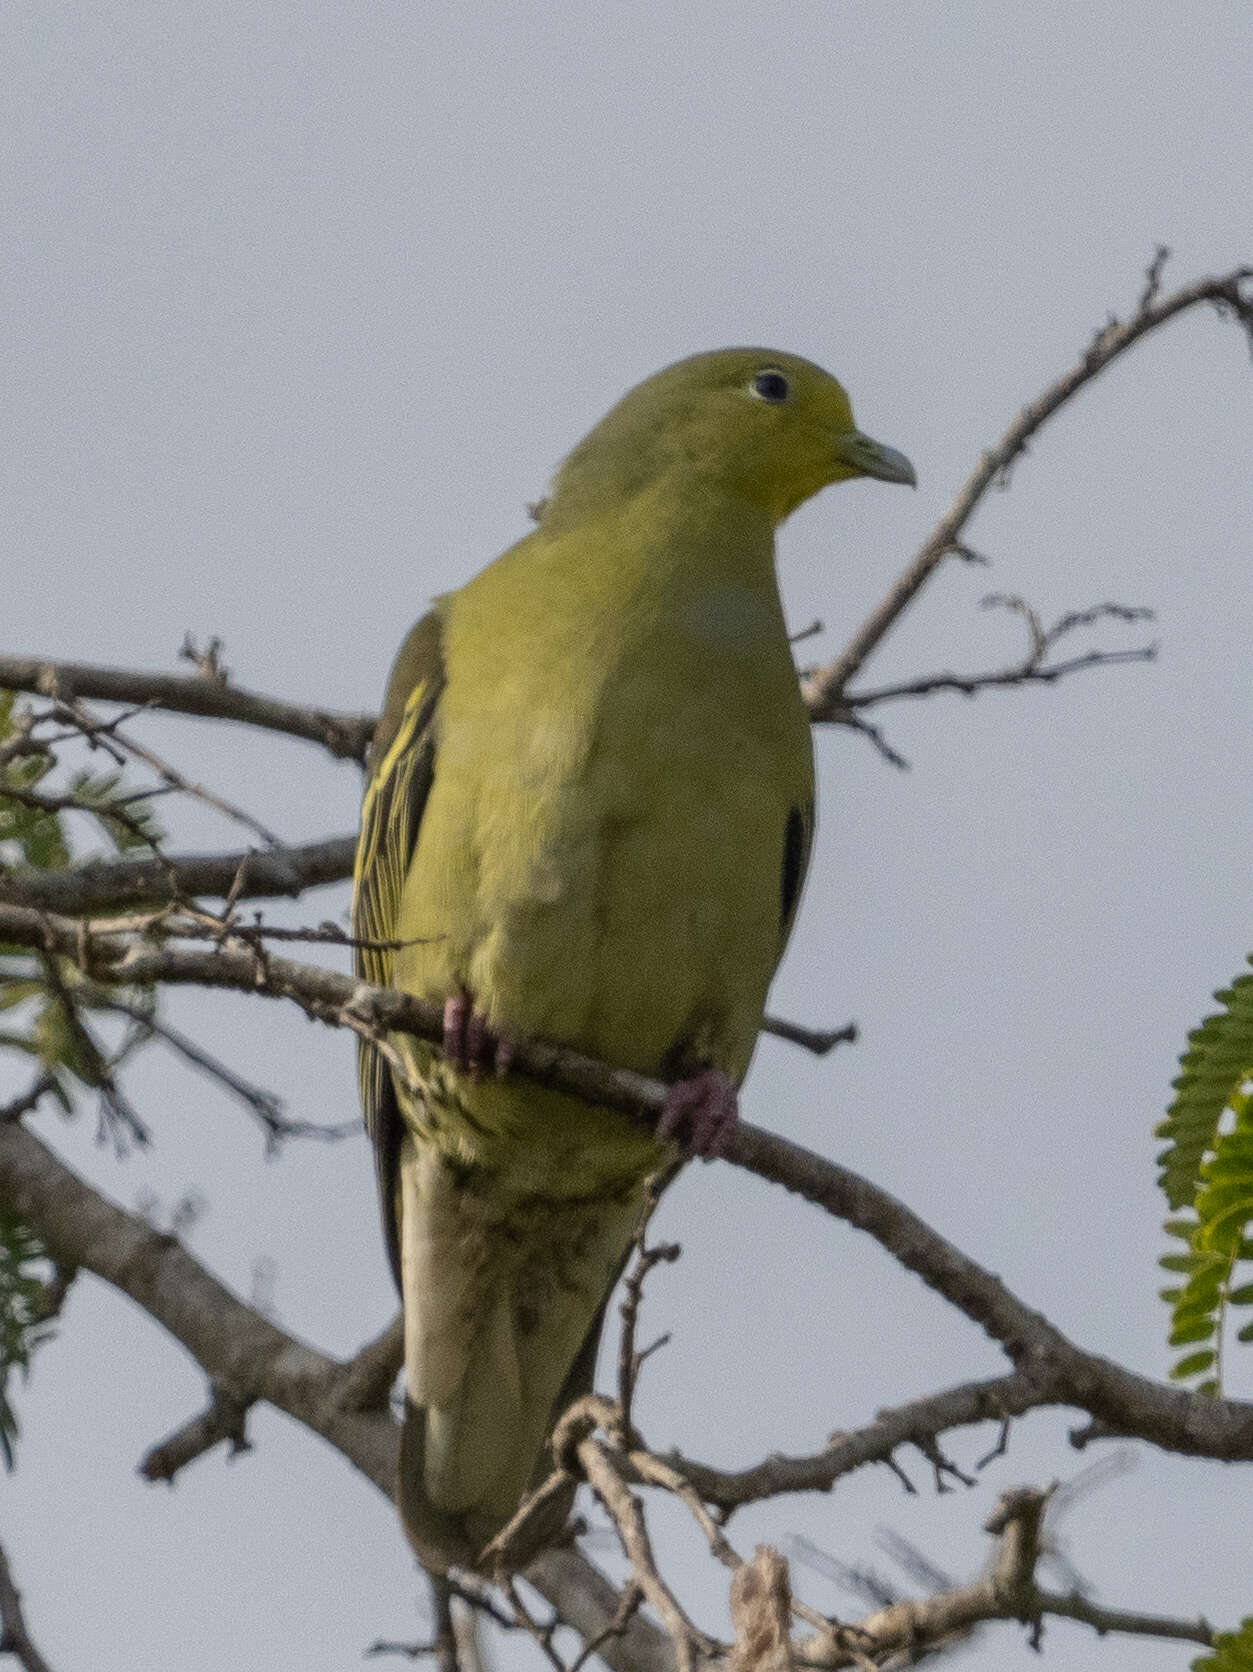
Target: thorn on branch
(817, 1040)
(1153, 279)
(999, 1449)
(891, 1463)
(857, 722)
(1103, 339)
(1097, 1429)
(942, 1467)
(207, 662)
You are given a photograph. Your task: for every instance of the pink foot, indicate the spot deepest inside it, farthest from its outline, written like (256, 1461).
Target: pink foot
(701, 1114)
(469, 1043)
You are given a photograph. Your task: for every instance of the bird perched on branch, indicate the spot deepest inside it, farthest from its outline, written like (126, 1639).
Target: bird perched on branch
(588, 818)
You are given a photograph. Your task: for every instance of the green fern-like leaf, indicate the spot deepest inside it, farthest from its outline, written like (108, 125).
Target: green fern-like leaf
(128, 823)
(1233, 1651)
(1207, 1170)
(1219, 1058)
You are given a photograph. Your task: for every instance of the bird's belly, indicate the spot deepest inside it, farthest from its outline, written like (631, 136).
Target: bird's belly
(643, 930)
(615, 886)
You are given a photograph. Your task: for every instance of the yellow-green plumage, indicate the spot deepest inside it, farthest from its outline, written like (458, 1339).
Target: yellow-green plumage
(589, 809)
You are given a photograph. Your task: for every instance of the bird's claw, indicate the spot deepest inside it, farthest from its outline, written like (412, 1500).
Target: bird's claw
(701, 1114)
(469, 1043)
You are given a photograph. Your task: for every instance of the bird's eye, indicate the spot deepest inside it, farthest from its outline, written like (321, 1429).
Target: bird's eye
(770, 386)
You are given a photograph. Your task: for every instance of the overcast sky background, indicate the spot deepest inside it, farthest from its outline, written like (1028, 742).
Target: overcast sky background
(299, 305)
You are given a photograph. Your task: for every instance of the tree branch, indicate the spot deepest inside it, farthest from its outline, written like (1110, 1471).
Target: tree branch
(243, 1353)
(248, 1358)
(253, 1359)
(1125, 1403)
(1133, 1406)
(326, 995)
(920, 1422)
(1008, 1591)
(824, 688)
(106, 884)
(15, 1639)
(347, 736)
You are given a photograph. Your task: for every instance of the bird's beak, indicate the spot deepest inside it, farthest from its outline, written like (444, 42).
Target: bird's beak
(868, 457)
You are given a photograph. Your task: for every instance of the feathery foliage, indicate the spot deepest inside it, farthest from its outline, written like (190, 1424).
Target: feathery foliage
(23, 1324)
(1207, 1172)
(43, 999)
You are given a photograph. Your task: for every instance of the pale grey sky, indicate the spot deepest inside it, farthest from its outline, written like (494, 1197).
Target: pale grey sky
(301, 304)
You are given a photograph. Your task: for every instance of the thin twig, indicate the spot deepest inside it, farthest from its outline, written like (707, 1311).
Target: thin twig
(1074, 1606)
(824, 689)
(265, 1105)
(106, 813)
(817, 1040)
(965, 1405)
(171, 778)
(654, 1471)
(624, 1510)
(540, 1631)
(629, 1360)
(970, 685)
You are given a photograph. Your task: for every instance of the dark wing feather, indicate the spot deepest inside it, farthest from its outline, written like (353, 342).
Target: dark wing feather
(798, 841)
(401, 772)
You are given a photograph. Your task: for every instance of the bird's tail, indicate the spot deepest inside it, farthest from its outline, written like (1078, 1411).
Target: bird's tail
(443, 1538)
(504, 1300)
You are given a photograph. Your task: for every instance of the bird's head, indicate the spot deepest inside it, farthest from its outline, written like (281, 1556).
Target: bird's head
(769, 427)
